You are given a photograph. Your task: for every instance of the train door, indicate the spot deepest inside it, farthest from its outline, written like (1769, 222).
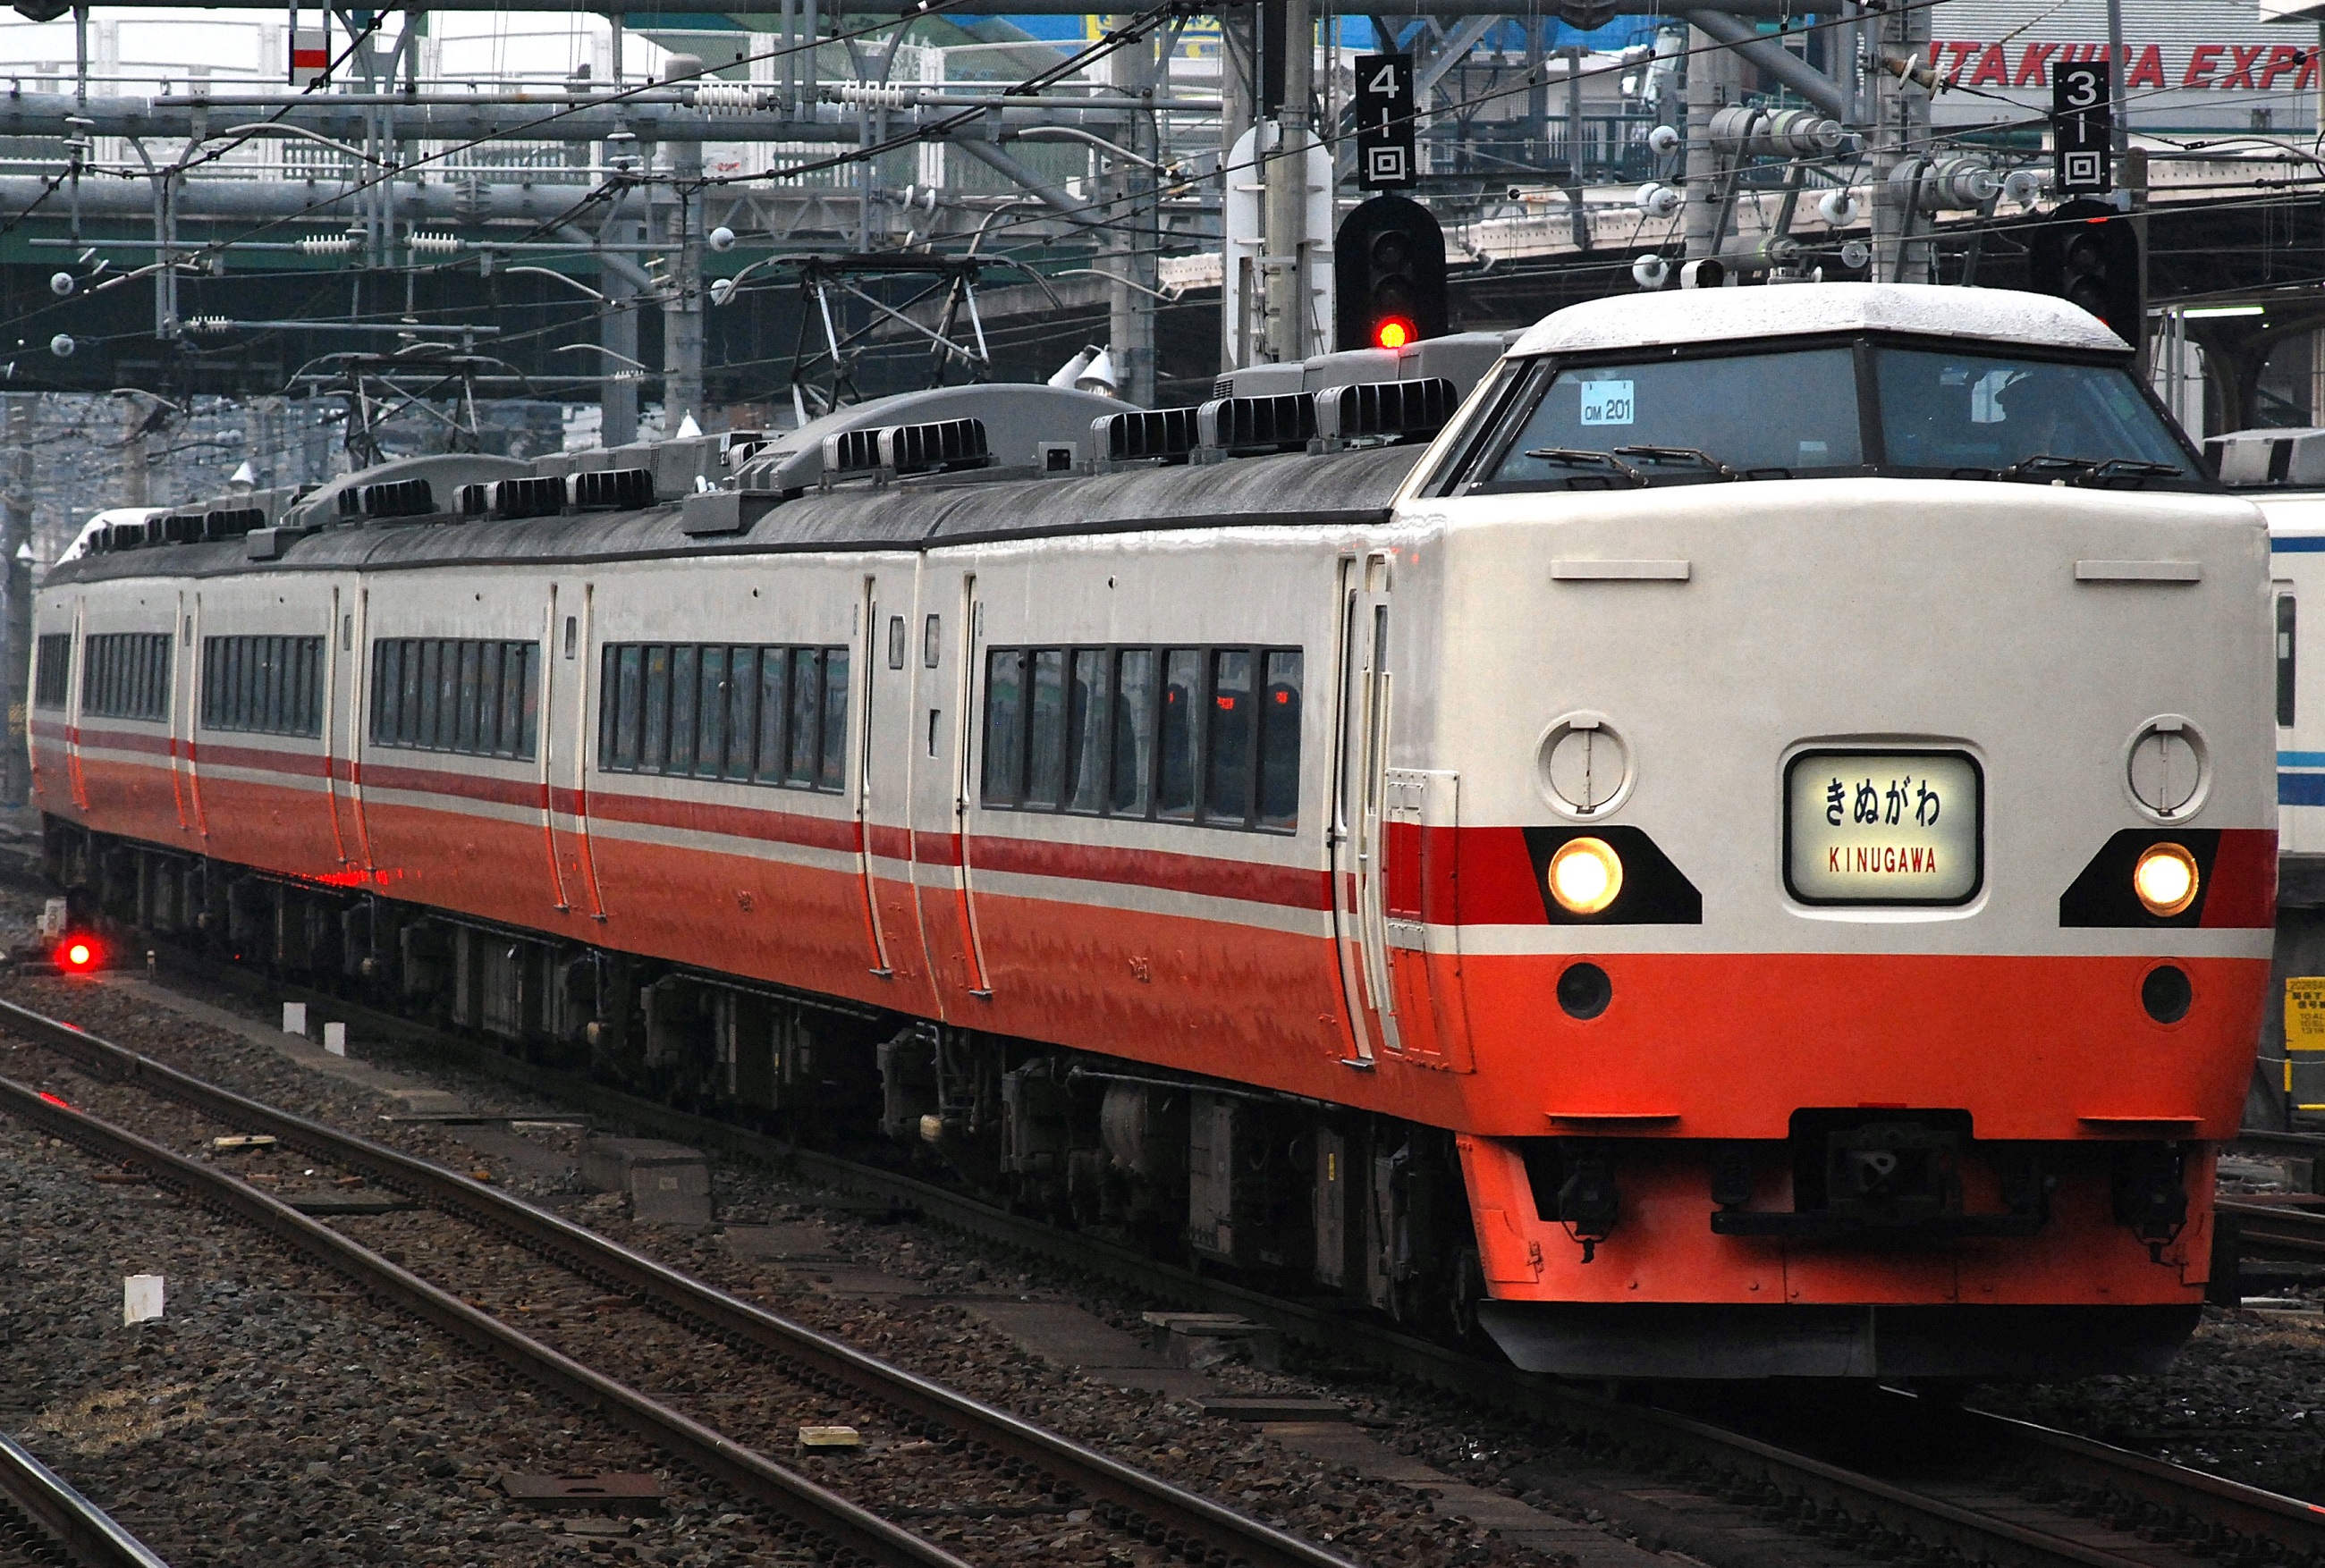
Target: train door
(569, 698)
(1360, 779)
(342, 707)
(1421, 890)
(872, 660)
(184, 696)
(78, 668)
(943, 648)
(977, 979)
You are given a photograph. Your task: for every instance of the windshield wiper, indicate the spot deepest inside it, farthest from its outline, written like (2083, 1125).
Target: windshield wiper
(1615, 469)
(2089, 470)
(1672, 457)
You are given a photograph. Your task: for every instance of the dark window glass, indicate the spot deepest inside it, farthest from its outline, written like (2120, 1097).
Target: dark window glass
(632, 716)
(447, 695)
(53, 680)
(1979, 411)
(609, 707)
(490, 658)
(432, 670)
(415, 676)
(742, 710)
(1133, 731)
(386, 688)
(710, 725)
(126, 675)
(1087, 701)
(1183, 687)
(528, 700)
(774, 708)
(683, 660)
(653, 752)
(835, 720)
(807, 706)
(1278, 742)
(2284, 651)
(306, 688)
(1045, 768)
(471, 692)
(1004, 726)
(1228, 721)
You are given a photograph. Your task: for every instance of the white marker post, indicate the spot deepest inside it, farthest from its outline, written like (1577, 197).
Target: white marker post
(141, 1297)
(335, 1038)
(294, 1018)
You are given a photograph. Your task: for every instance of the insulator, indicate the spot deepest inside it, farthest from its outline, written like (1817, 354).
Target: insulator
(208, 326)
(1747, 130)
(329, 245)
(729, 97)
(1660, 201)
(423, 243)
(1949, 185)
(876, 95)
(1837, 208)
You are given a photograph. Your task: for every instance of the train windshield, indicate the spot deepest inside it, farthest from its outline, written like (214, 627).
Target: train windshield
(1797, 413)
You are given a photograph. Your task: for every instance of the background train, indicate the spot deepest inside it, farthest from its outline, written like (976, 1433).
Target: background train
(1744, 848)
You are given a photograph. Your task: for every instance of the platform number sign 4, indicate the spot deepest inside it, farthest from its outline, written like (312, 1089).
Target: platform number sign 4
(1384, 108)
(2082, 127)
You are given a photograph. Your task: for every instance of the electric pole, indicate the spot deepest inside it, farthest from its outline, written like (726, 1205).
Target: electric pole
(1285, 257)
(16, 549)
(1133, 237)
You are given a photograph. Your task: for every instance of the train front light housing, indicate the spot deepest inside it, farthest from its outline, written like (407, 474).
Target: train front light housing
(2166, 880)
(1586, 875)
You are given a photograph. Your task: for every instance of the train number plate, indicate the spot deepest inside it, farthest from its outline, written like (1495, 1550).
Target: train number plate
(1883, 827)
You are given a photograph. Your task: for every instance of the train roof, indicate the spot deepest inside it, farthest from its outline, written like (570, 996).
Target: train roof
(1684, 316)
(1347, 488)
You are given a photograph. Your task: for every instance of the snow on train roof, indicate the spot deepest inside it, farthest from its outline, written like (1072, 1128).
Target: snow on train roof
(1801, 309)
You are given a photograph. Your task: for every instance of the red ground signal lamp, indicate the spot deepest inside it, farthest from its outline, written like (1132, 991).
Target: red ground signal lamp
(79, 955)
(1394, 332)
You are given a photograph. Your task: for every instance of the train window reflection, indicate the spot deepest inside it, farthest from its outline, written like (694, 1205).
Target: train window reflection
(1086, 727)
(1134, 732)
(1182, 689)
(1045, 772)
(1791, 412)
(1279, 743)
(1987, 412)
(1227, 772)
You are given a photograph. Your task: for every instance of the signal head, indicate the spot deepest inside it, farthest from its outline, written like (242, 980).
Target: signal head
(79, 955)
(1394, 332)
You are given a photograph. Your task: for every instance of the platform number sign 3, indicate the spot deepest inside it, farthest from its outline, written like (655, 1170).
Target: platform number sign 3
(2082, 127)
(1383, 108)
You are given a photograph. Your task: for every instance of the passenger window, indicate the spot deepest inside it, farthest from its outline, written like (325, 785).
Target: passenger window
(447, 695)
(1004, 726)
(835, 719)
(1133, 731)
(415, 677)
(1181, 688)
(529, 697)
(807, 706)
(683, 697)
(742, 709)
(1279, 743)
(1086, 704)
(1227, 753)
(2284, 661)
(774, 706)
(895, 643)
(711, 737)
(494, 733)
(386, 690)
(653, 750)
(1046, 770)
(472, 693)
(631, 717)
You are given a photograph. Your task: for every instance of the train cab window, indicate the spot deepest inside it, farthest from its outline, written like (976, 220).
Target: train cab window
(1986, 413)
(472, 696)
(125, 675)
(2285, 652)
(52, 670)
(1179, 734)
(746, 715)
(268, 685)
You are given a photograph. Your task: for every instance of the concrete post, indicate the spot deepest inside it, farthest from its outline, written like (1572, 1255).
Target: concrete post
(1284, 259)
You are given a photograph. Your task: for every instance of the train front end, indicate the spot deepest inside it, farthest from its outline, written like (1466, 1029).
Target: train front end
(1865, 855)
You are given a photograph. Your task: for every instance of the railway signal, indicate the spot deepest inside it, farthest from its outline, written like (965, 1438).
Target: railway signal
(1389, 274)
(2087, 253)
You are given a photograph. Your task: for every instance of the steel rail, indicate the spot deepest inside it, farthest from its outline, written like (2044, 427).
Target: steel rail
(1106, 1480)
(87, 1534)
(2297, 1233)
(1930, 1520)
(748, 1471)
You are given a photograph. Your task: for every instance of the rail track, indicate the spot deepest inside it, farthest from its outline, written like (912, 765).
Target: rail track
(69, 1527)
(1907, 1478)
(1130, 1501)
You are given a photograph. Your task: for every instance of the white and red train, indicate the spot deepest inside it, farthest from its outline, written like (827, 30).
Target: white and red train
(1752, 851)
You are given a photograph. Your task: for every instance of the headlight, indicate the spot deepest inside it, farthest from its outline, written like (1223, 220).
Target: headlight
(2166, 879)
(1585, 874)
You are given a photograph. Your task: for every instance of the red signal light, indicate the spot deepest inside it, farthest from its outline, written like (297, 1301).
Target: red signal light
(78, 955)
(1394, 332)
